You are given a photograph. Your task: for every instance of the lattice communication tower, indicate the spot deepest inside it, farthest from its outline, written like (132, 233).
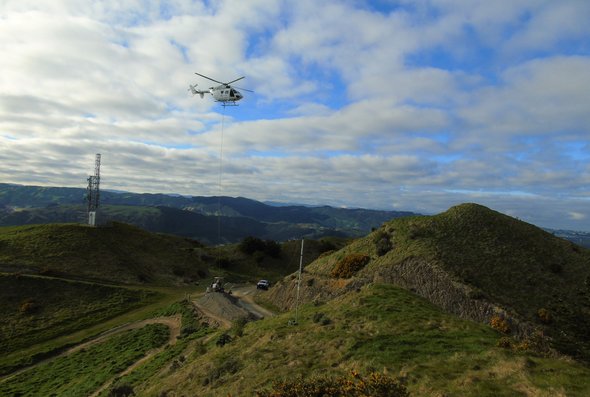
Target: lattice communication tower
(93, 191)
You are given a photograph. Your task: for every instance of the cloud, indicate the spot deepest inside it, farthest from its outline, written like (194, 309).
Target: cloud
(418, 105)
(577, 216)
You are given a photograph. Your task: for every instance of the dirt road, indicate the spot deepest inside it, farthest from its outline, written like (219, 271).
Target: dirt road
(224, 308)
(246, 295)
(173, 323)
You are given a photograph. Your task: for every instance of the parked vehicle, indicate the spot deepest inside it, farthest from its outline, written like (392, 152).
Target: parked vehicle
(263, 284)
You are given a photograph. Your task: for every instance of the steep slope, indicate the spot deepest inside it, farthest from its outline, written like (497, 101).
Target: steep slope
(379, 328)
(116, 253)
(474, 262)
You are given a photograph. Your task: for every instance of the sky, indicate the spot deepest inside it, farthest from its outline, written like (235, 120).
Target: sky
(396, 105)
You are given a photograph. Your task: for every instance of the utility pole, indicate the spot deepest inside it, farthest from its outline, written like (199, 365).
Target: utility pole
(299, 284)
(93, 192)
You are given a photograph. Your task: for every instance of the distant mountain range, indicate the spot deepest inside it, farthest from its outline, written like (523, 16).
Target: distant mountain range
(211, 220)
(197, 217)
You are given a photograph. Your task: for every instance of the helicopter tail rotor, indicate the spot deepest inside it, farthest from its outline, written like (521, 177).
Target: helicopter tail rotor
(192, 88)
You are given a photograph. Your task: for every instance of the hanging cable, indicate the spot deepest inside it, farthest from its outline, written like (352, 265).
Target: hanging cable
(220, 189)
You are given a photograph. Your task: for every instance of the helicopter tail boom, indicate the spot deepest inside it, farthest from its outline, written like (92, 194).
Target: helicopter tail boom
(192, 88)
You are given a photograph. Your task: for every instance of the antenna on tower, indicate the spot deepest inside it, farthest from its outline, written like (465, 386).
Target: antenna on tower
(93, 190)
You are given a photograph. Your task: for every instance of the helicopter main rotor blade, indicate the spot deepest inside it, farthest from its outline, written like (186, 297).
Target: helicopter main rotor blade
(243, 89)
(233, 81)
(209, 78)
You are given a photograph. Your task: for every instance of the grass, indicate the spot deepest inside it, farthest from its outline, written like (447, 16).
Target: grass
(117, 253)
(506, 261)
(238, 267)
(169, 360)
(379, 328)
(36, 352)
(83, 372)
(36, 309)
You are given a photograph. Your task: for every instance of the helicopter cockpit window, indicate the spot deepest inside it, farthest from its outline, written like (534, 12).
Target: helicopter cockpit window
(231, 92)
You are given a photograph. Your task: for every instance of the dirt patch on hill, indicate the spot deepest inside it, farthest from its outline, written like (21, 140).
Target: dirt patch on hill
(222, 307)
(313, 288)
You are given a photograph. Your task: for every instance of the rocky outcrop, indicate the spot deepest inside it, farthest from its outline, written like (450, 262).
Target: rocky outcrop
(437, 286)
(415, 274)
(313, 288)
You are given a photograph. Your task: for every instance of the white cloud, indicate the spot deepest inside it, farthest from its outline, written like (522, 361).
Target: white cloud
(577, 216)
(418, 107)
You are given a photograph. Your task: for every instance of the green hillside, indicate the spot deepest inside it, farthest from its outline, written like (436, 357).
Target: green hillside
(116, 253)
(478, 263)
(469, 302)
(380, 328)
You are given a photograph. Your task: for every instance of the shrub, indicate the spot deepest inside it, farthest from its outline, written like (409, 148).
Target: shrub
(122, 391)
(354, 385)
(382, 241)
(237, 329)
(544, 315)
(504, 342)
(223, 340)
(222, 367)
(536, 341)
(499, 323)
(225, 263)
(272, 248)
(250, 245)
(321, 318)
(29, 306)
(350, 265)
(556, 268)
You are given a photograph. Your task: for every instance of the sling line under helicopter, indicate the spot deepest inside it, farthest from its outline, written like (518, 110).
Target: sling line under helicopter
(220, 180)
(227, 95)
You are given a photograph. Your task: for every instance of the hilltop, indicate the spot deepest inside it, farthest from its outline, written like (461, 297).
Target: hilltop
(116, 253)
(473, 262)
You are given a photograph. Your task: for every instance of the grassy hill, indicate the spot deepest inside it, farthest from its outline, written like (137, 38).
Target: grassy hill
(124, 254)
(116, 253)
(37, 309)
(478, 263)
(379, 328)
(401, 300)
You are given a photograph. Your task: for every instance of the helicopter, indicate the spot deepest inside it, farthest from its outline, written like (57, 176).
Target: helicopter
(224, 93)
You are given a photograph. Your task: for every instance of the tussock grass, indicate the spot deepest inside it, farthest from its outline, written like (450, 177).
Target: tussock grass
(380, 328)
(506, 261)
(80, 373)
(57, 307)
(116, 253)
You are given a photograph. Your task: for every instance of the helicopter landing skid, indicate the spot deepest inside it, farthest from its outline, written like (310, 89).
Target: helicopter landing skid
(225, 104)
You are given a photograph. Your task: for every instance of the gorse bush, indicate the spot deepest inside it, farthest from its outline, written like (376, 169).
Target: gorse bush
(249, 245)
(544, 315)
(354, 385)
(350, 265)
(499, 323)
(29, 306)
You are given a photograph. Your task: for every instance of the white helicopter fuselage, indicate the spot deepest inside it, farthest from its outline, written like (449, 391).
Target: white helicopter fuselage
(224, 93)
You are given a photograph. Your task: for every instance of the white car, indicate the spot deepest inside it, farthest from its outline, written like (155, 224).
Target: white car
(263, 284)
